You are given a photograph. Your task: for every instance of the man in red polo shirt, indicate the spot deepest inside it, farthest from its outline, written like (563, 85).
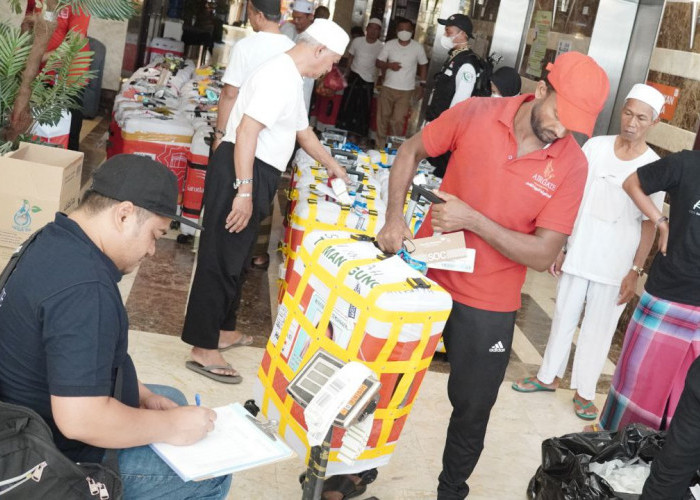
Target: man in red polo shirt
(513, 186)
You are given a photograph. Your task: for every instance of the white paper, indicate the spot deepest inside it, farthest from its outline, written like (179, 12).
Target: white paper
(235, 444)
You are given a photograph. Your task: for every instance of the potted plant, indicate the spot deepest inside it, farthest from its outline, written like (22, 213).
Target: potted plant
(31, 93)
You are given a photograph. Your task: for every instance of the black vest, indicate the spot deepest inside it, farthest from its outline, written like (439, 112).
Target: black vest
(446, 81)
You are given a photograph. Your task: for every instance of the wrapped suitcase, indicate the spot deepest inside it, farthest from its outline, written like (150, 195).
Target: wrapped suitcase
(346, 298)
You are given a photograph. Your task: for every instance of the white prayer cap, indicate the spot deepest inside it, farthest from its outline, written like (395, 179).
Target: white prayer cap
(328, 33)
(375, 20)
(303, 6)
(648, 95)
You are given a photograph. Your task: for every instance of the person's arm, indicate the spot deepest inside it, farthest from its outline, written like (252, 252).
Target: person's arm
(422, 72)
(104, 422)
(634, 189)
(152, 401)
(628, 287)
(226, 102)
(537, 251)
(395, 230)
(464, 83)
(310, 143)
(349, 63)
(243, 158)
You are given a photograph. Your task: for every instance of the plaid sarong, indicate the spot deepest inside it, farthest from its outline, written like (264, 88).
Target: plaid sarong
(661, 342)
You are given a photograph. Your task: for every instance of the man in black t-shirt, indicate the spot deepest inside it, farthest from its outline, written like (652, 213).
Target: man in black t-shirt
(663, 337)
(64, 332)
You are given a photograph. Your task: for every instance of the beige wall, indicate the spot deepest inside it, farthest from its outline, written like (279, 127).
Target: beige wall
(676, 62)
(342, 14)
(111, 33)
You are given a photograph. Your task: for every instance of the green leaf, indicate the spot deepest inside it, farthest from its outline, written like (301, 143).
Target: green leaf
(103, 9)
(35, 209)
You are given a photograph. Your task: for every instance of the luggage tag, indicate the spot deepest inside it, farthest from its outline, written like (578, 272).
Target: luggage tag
(445, 251)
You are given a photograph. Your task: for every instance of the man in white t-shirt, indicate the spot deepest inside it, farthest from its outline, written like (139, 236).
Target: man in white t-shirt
(248, 54)
(357, 99)
(398, 61)
(302, 17)
(605, 255)
(242, 176)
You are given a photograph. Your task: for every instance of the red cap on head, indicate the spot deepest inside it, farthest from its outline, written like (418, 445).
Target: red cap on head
(582, 88)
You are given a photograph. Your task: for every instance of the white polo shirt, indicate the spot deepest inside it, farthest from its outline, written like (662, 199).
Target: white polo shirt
(409, 56)
(364, 57)
(279, 107)
(251, 52)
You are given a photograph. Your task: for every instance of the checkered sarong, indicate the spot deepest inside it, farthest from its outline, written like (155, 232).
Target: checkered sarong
(661, 342)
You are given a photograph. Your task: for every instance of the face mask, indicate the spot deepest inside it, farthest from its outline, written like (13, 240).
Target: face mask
(404, 36)
(448, 42)
(494, 94)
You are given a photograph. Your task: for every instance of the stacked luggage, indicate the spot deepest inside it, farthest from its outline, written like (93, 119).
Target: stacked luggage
(167, 111)
(339, 293)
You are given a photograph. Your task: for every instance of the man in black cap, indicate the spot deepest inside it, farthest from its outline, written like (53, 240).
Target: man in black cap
(64, 333)
(458, 76)
(456, 79)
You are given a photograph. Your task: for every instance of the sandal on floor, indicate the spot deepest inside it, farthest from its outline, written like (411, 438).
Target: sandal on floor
(344, 485)
(243, 341)
(207, 371)
(581, 412)
(519, 385)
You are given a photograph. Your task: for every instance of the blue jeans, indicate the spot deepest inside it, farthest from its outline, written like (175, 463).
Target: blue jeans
(147, 477)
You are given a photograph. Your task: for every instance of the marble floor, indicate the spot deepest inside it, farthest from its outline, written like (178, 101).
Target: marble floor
(156, 297)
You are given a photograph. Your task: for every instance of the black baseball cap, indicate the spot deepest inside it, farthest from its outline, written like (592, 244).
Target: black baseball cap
(142, 181)
(461, 21)
(269, 7)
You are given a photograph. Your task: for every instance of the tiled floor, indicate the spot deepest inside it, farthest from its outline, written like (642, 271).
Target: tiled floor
(156, 296)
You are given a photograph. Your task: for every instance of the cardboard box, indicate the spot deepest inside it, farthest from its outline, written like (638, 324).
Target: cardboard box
(35, 183)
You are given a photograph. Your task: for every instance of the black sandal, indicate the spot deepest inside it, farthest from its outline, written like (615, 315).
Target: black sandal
(344, 485)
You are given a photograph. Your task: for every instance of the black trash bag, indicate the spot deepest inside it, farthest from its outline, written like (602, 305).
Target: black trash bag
(564, 473)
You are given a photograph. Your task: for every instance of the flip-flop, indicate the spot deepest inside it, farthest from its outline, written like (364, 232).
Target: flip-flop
(207, 371)
(536, 386)
(243, 341)
(580, 412)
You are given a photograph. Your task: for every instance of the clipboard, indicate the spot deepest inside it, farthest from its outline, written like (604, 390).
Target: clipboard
(238, 442)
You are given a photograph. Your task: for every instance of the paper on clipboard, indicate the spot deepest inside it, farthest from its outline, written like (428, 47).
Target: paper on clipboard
(235, 444)
(445, 251)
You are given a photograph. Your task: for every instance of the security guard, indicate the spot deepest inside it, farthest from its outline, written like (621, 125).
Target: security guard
(456, 79)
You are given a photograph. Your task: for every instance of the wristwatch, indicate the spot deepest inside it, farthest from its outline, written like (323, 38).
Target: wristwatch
(240, 182)
(638, 270)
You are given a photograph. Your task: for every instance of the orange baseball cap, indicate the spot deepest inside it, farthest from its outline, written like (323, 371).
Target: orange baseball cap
(582, 88)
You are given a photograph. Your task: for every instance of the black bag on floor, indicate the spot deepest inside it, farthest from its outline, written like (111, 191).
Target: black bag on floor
(32, 467)
(564, 473)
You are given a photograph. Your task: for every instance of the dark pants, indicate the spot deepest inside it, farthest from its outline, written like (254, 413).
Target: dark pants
(354, 113)
(76, 124)
(478, 348)
(674, 468)
(223, 257)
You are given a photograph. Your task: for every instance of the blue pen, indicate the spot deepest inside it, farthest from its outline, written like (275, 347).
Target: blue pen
(197, 400)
